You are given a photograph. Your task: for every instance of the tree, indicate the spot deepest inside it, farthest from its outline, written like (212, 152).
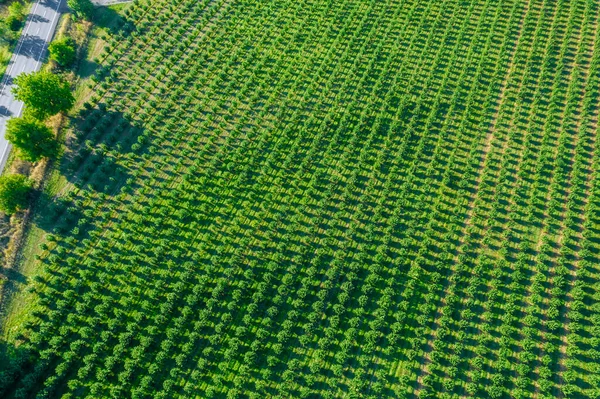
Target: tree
(62, 51)
(32, 138)
(6, 35)
(14, 191)
(16, 16)
(81, 8)
(44, 93)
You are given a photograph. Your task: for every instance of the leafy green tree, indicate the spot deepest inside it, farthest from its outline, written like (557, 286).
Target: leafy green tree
(81, 8)
(32, 138)
(16, 16)
(62, 51)
(14, 192)
(6, 35)
(44, 93)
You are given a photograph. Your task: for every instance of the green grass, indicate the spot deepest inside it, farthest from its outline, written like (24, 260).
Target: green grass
(353, 199)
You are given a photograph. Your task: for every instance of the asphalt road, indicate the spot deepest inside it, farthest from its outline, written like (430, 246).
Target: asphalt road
(29, 54)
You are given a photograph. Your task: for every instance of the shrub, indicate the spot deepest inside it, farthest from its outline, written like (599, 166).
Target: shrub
(62, 51)
(14, 193)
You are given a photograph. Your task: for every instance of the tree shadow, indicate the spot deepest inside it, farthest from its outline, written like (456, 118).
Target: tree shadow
(32, 47)
(5, 111)
(38, 18)
(93, 170)
(8, 80)
(92, 163)
(114, 23)
(100, 127)
(55, 215)
(109, 19)
(13, 275)
(86, 67)
(12, 281)
(13, 361)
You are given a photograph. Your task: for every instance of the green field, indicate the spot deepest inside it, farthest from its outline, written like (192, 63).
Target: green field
(323, 199)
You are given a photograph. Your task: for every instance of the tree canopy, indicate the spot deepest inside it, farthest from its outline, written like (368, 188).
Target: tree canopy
(81, 8)
(16, 16)
(44, 93)
(14, 191)
(32, 138)
(62, 51)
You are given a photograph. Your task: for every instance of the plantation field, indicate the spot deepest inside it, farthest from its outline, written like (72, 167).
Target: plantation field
(324, 199)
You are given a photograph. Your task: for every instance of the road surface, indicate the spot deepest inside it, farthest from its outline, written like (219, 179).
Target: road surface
(29, 54)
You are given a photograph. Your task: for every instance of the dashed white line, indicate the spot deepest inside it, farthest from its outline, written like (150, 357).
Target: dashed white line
(23, 35)
(25, 64)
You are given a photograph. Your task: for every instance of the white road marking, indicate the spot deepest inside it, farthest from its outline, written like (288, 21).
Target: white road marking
(21, 40)
(50, 32)
(26, 63)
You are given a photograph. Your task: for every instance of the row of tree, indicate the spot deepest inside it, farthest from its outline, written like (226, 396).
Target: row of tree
(44, 95)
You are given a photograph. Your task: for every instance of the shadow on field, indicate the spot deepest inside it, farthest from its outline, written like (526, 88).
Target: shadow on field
(55, 215)
(93, 169)
(12, 361)
(90, 163)
(86, 68)
(108, 18)
(115, 24)
(101, 136)
(14, 279)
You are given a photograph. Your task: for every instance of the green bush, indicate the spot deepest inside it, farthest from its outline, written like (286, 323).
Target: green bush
(14, 193)
(62, 51)
(16, 16)
(81, 8)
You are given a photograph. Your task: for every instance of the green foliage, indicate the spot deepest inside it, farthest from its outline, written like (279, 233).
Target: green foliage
(62, 51)
(11, 24)
(16, 16)
(32, 138)
(6, 34)
(43, 93)
(81, 8)
(14, 193)
(362, 199)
